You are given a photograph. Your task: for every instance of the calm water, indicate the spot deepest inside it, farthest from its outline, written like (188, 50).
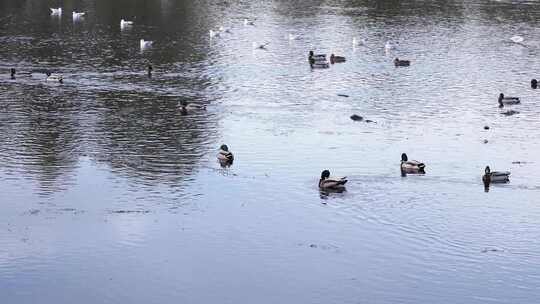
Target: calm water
(109, 194)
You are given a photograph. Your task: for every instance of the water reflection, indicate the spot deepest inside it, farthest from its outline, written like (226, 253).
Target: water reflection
(87, 166)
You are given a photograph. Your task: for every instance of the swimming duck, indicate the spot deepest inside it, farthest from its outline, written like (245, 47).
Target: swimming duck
(146, 44)
(495, 176)
(54, 77)
(336, 59)
(248, 22)
(398, 62)
(77, 15)
(411, 166)
(185, 106)
(534, 83)
(124, 23)
(327, 182)
(507, 100)
(56, 11)
(224, 154)
(13, 71)
(316, 57)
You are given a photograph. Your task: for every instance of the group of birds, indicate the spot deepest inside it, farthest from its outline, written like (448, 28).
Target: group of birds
(124, 24)
(326, 182)
(75, 15)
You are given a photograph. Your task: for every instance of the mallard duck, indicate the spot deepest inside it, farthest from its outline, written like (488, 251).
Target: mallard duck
(77, 15)
(316, 57)
(507, 100)
(336, 59)
(224, 154)
(185, 106)
(56, 11)
(534, 83)
(54, 77)
(124, 23)
(327, 182)
(411, 166)
(145, 44)
(398, 62)
(495, 176)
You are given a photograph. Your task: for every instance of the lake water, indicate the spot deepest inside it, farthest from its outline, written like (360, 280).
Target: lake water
(109, 194)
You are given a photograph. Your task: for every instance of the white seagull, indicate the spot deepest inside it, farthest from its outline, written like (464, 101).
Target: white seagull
(146, 44)
(56, 11)
(77, 15)
(124, 23)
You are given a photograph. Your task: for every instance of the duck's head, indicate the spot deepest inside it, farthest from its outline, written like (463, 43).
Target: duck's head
(487, 170)
(501, 97)
(404, 157)
(13, 71)
(325, 174)
(534, 83)
(311, 54)
(224, 148)
(48, 73)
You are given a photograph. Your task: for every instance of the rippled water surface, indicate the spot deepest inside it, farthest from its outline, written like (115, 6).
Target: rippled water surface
(109, 193)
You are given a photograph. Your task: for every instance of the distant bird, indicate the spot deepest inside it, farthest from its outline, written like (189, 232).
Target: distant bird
(411, 166)
(224, 156)
(248, 22)
(124, 23)
(507, 100)
(356, 42)
(13, 71)
(336, 59)
(260, 46)
(213, 33)
(517, 39)
(54, 77)
(77, 15)
(398, 62)
(327, 182)
(495, 177)
(145, 44)
(224, 30)
(56, 11)
(293, 37)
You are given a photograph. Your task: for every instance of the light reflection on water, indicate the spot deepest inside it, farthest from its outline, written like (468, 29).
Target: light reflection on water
(107, 186)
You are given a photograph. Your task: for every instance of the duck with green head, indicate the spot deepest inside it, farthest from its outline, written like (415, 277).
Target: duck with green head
(411, 166)
(328, 182)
